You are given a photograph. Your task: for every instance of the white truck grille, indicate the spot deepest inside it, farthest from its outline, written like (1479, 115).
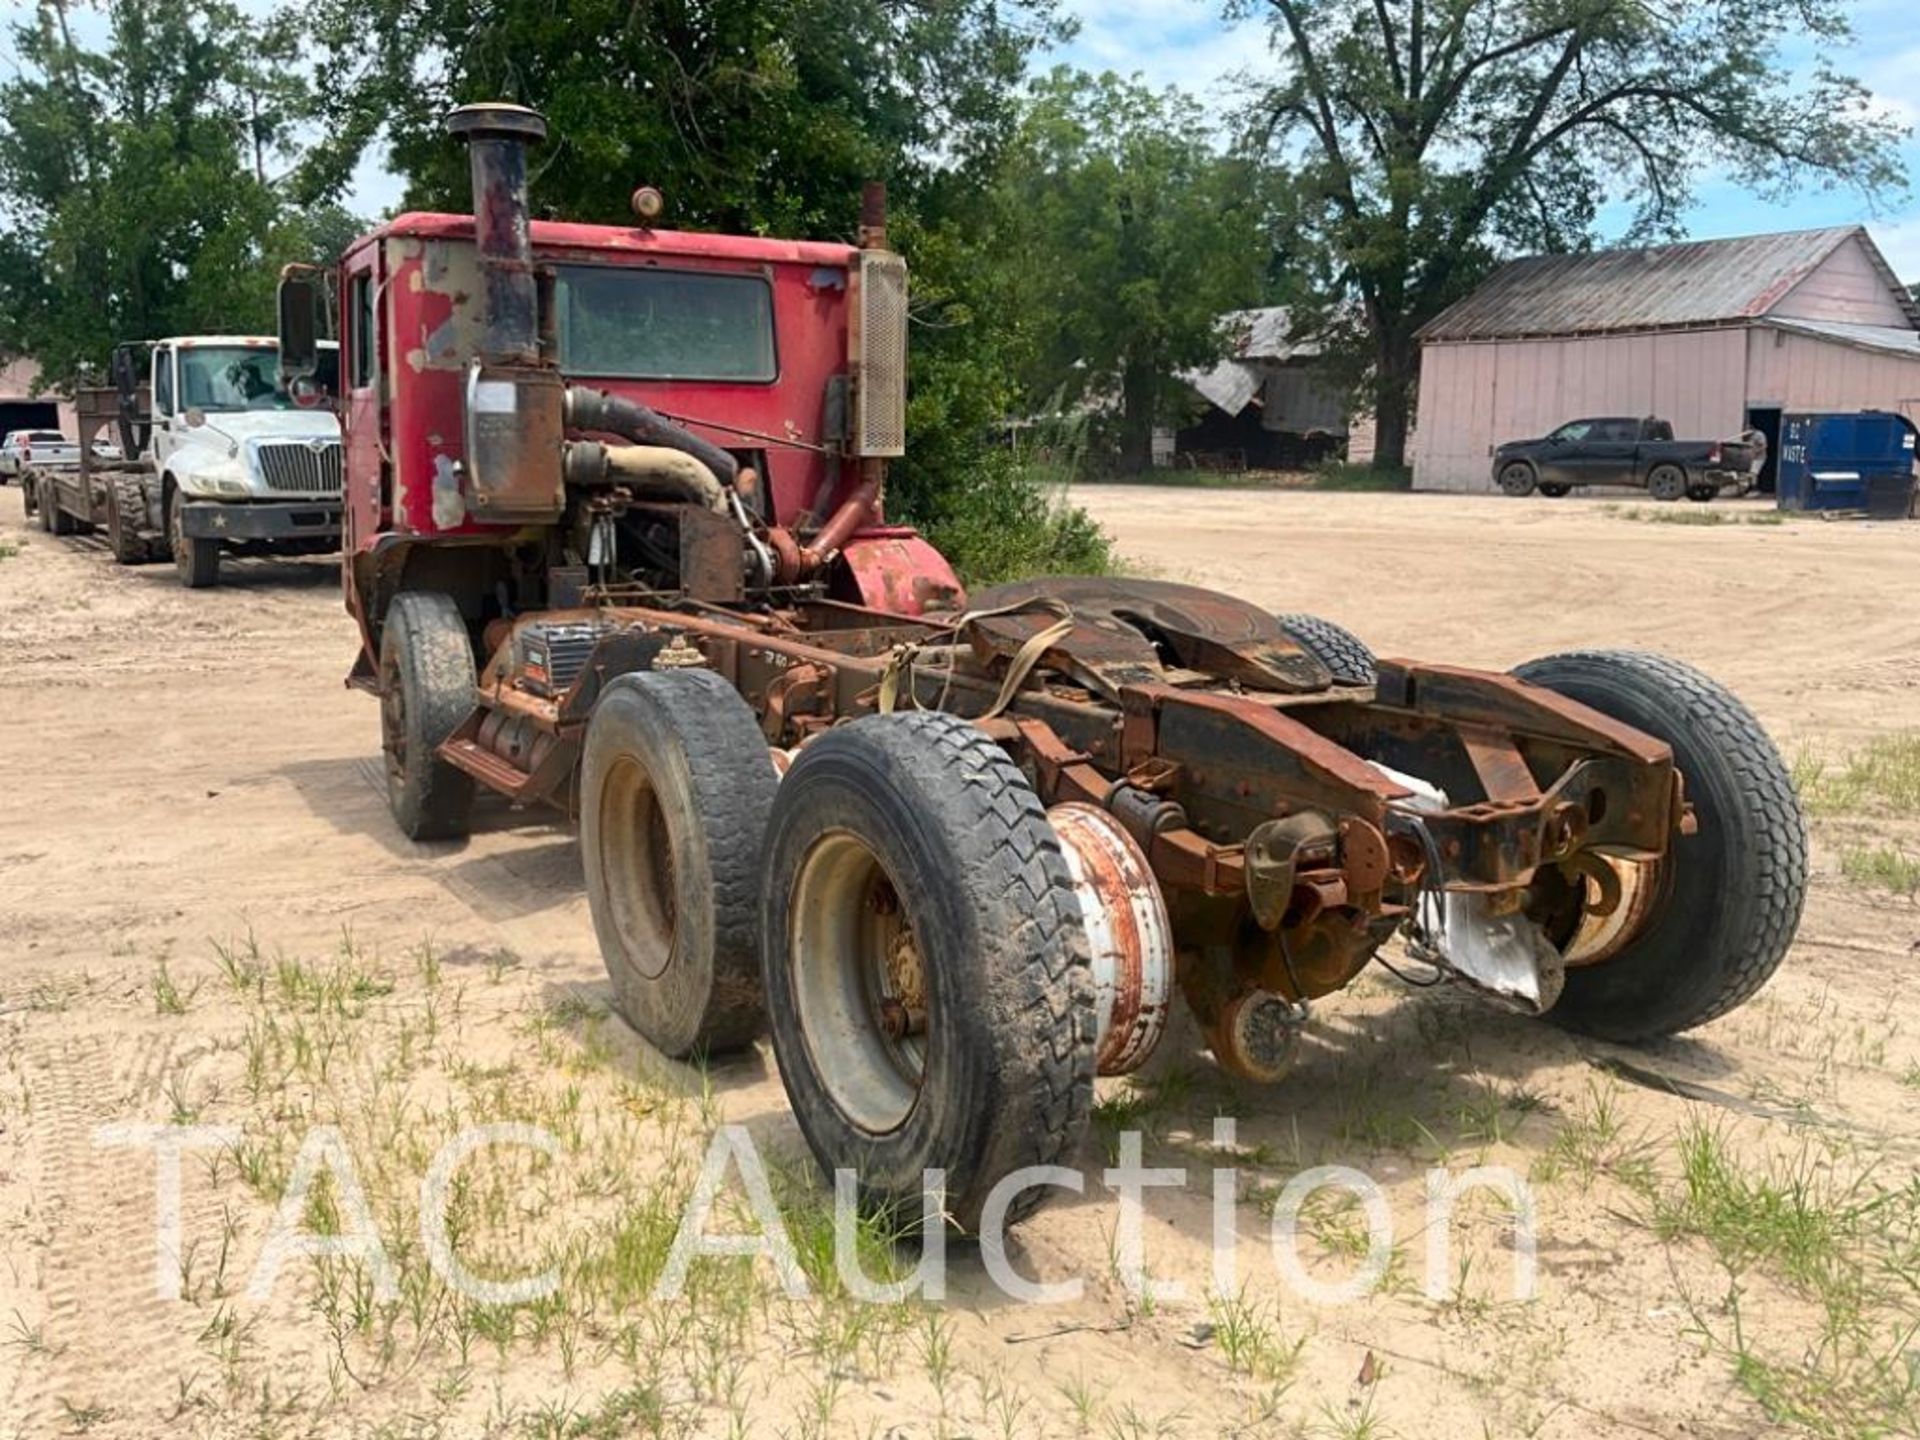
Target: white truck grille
(296, 467)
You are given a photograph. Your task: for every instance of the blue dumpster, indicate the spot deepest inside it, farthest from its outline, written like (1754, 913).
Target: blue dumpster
(1847, 460)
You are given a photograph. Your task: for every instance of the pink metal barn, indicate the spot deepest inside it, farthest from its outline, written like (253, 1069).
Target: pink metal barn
(1714, 335)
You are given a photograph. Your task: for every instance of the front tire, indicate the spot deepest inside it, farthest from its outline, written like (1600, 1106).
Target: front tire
(426, 690)
(1724, 904)
(1517, 479)
(675, 788)
(928, 982)
(196, 561)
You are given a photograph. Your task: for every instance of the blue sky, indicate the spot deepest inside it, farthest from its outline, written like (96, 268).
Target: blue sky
(1186, 43)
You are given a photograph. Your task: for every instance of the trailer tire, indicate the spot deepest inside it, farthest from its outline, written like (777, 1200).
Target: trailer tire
(1701, 494)
(125, 500)
(1335, 647)
(1517, 478)
(197, 562)
(1666, 482)
(426, 689)
(1729, 896)
(907, 858)
(1555, 491)
(675, 786)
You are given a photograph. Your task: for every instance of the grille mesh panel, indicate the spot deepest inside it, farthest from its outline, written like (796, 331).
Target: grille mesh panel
(880, 397)
(296, 468)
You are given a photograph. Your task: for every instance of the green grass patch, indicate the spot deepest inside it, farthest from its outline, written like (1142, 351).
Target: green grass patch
(1693, 515)
(1341, 475)
(1842, 1231)
(1882, 777)
(1882, 868)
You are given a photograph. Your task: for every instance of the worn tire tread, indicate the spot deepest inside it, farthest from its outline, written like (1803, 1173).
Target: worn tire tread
(427, 627)
(1334, 646)
(1770, 825)
(1012, 868)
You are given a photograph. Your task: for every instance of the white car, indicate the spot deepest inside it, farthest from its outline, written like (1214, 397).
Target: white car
(22, 448)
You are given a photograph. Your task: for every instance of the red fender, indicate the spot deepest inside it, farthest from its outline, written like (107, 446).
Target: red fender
(893, 568)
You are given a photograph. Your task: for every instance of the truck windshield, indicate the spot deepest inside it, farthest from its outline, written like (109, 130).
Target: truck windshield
(664, 324)
(237, 377)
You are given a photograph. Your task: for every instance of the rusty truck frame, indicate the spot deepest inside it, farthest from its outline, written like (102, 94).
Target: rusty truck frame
(959, 853)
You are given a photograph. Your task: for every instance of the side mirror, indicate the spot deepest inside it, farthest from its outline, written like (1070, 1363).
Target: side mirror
(300, 301)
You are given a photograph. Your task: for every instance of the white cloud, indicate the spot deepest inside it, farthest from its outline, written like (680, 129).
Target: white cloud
(1166, 42)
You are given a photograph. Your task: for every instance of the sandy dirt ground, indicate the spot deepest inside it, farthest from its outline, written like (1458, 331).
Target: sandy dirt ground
(207, 920)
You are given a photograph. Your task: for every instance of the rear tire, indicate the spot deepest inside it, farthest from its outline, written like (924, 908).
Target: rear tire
(910, 865)
(126, 506)
(426, 690)
(675, 787)
(1339, 649)
(1517, 479)
(1666, 482)
(197, 562)
(1729, 896)
(53, 519)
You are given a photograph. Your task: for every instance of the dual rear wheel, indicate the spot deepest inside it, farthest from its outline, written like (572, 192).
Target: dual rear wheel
(898, 912)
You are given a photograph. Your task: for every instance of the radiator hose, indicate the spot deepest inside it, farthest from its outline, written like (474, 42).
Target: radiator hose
(601, 413)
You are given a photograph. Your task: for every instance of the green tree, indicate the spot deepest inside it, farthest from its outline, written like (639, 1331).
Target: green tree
(1428, 136)
(137, 180)
(758, 117)
(751, 115)
(1130, 235)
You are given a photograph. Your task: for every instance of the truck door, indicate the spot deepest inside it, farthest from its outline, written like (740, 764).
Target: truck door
(166, 437)
(1607, 456)
(361, 418)
(1559, 458)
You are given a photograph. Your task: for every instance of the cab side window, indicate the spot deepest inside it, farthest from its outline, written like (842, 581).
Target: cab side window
(361, 299)
(163, 381)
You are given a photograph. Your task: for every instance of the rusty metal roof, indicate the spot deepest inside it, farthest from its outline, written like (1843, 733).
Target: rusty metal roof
(1699, 282)
(1251, 336)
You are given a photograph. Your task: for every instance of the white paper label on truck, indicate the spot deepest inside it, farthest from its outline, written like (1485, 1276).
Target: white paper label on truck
(493, 397)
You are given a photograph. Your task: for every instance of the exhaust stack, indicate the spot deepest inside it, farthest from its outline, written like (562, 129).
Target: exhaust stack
(497, 137)
(515, 401)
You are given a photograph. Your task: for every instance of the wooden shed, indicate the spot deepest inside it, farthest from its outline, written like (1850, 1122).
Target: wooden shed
(1713, 335)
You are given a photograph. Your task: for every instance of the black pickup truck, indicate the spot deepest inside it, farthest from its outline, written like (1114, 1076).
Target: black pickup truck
(1620, 450)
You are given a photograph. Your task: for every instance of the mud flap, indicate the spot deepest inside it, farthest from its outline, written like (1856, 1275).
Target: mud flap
(1506, 955)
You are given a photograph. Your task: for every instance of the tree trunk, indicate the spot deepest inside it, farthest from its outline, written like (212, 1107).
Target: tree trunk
(1396, 368)
(1137, 385)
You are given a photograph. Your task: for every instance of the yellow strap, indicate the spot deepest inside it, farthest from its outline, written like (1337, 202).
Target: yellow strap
(898, 675)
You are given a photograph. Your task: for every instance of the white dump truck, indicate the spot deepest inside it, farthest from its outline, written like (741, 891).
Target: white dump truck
(218, 456)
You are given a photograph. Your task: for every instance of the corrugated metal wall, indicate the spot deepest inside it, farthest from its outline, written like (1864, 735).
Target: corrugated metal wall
(1847, 287)
(1800, 372)
(1473, 396)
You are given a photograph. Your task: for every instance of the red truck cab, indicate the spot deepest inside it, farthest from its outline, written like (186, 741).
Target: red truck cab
(751, 343)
